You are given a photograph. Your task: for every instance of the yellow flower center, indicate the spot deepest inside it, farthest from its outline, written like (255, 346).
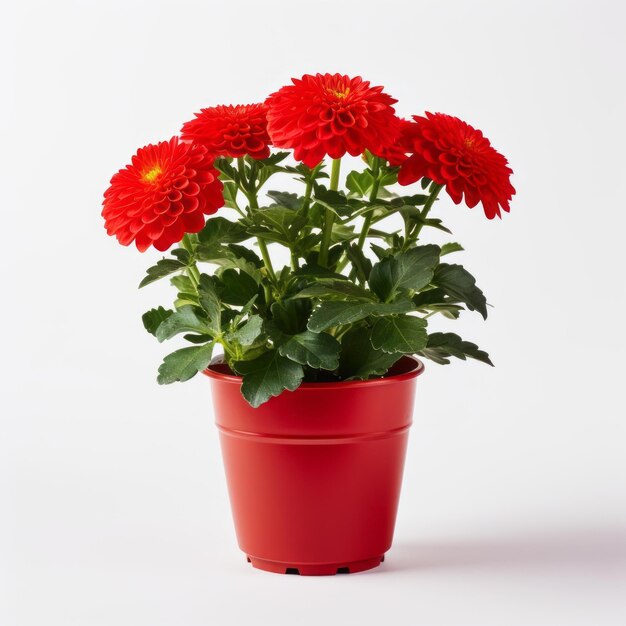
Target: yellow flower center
(469, 143)
(339, 93)
(152, 174)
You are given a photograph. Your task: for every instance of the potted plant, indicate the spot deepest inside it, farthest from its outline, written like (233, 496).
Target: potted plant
(315, 374)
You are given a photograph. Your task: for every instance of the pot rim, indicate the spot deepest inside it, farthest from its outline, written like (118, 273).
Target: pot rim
(417, 369)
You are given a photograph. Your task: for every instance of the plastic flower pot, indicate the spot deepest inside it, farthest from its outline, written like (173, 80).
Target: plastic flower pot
(314, 475)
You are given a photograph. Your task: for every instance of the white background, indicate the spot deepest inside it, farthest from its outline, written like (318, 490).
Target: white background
(114, 509)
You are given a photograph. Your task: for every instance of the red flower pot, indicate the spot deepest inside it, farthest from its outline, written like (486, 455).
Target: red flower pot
(314, 475)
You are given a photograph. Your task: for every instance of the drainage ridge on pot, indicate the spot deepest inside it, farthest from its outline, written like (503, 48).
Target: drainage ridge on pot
(314, 475)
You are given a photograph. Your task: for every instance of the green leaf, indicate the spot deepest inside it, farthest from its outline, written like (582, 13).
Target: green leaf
(184, 364)
(268, 375)
(440, 346)
(197, 338)
(290, 316)
(186, 299)
(281, 220)
(360, 183)
(210, 302)
(409, 270)
(183, 283)
(332, 289)
(318, 350)
(246, 254)
(359, 261)
(230, 194)
(237, 287)
(434, 222)
(184, 320)
(425, 182)
(330, 198)
(417, 199)
(331, 313)
(290, 200)
(341, 232)
(460, 285)
(163, 268)
(400, 333)
(359, 359)
(183, 255)
(453, 246)
(229, 257)
(311, 270)
(153, 318)
(223, 165)
(219, 230)
(247, 334)
(274, 159)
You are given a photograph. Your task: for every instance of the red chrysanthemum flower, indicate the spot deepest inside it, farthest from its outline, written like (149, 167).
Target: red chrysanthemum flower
(163, 194)
(330, 114)
(232, 131)
(452, 153)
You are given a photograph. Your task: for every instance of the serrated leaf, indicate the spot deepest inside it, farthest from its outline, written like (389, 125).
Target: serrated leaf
(245, 253)
(453, 246)
(441, 346)
(360, 183)
(331, 313)
(183, 283)
(197, 338)
(434, 222)
(281, 220)
(359, 359)
(163, 268)
(210, 302)
(359, 261)
(282, 198)
(268, 375)
(229, 192)
(318, 350)
(341, 232)
(183, 255)
(311, 270)
(226, 257)
(237, 287)
(330, 198)
(219, 230)
(186, 299)
(224, 165)
(290, 316)
(409, 270)
(331, 289)
(153, 318)
(399, 333)
(417, 199)
(274, 159)
(460, 285)
(247, 334)
(184, 320)
(184, 363)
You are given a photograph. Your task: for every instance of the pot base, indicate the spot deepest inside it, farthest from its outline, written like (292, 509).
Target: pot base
(315, 569)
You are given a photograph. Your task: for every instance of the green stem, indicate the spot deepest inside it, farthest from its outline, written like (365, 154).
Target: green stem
(294, 261)
(250, 193)
(266, 258)
(373, 194)
(192, 270)
(329, 216)
(435, 189)
(367, 222)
